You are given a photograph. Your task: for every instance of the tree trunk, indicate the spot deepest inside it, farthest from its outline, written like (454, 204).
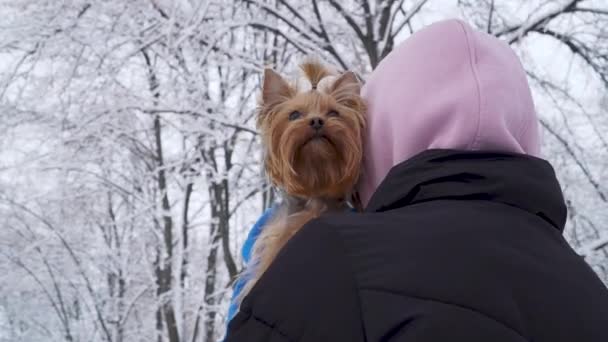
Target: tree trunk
(211, 272)
(164, 270)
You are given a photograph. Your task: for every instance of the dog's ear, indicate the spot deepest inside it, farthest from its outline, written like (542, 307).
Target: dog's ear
(347, 83)
(345, 88)
(274, 89)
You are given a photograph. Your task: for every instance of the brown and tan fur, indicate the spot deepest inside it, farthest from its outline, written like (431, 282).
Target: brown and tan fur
(316, 170)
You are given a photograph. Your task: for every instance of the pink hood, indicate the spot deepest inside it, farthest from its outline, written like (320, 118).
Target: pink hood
(449, 87)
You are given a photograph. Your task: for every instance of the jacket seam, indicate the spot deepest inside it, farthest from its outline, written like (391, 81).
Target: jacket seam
(271, 327)
(461, 306)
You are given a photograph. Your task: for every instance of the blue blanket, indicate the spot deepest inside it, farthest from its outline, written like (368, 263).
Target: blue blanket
(246, 253)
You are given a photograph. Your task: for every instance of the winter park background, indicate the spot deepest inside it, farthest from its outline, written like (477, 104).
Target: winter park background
(130, 165)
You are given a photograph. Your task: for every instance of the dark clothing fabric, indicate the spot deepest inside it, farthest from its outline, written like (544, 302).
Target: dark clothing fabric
(453, 246)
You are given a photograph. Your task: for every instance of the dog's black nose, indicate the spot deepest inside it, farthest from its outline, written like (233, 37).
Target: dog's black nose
(316, 123)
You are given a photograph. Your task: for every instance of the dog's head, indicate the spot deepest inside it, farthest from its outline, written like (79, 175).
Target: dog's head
(313, 136)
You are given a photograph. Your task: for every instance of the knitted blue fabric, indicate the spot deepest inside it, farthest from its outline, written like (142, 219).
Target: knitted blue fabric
(246, 253)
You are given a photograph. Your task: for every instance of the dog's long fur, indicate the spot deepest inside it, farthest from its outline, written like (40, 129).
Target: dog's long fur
(316, 170)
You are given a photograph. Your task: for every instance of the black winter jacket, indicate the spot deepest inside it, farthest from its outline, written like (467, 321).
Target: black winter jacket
(453, 246)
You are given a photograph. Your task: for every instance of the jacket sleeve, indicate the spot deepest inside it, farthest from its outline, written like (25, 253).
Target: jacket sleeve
(307, 294)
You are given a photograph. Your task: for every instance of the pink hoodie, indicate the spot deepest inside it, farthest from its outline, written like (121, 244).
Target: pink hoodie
(448, 87)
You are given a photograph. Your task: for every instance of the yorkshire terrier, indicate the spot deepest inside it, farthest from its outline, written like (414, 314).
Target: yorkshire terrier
(312, 138)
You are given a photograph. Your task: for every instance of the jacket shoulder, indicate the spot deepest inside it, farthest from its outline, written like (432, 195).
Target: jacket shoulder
(309, 292)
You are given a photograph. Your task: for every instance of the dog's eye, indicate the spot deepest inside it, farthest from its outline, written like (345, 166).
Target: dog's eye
(294, 115)
(333, 113)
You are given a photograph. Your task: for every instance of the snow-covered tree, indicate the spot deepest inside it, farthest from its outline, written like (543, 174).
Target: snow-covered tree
(130, 167)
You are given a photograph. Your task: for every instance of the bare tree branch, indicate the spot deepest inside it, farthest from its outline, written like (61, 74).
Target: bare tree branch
(592, 181)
